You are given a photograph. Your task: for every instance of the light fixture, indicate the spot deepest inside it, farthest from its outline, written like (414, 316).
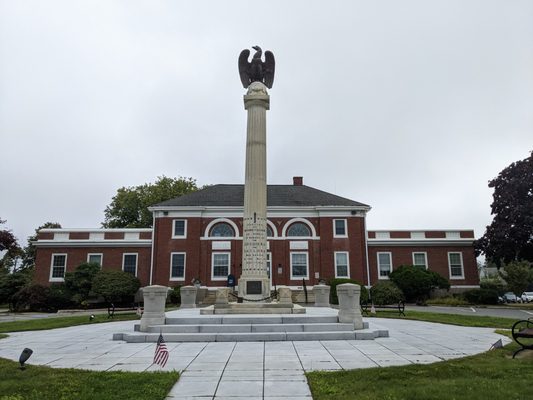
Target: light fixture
(26, 353)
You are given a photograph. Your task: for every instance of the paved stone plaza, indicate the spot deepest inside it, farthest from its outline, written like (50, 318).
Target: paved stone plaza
(249, 370)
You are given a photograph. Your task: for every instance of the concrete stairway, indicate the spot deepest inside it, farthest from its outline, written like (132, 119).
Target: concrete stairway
(241, 328)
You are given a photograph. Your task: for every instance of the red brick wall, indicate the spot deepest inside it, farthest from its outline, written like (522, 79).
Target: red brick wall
(437, 257)
(112, 259)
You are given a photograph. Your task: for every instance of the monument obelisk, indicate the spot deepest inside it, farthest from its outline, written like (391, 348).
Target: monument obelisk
(256, 76)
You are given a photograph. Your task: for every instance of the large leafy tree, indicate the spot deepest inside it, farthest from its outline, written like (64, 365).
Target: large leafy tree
(510, 235)
(28, 258)
(129, 207)
(9, 249)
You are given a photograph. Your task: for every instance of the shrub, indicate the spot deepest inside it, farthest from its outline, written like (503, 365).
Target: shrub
(481, 296)
(416, 282)
(493, 284)
(174, 294)
(115, 286)
(79, 282)
(41, 298)
(386, 293)
(448, 301)
(338, 281)
(60, 297)
(10, 284)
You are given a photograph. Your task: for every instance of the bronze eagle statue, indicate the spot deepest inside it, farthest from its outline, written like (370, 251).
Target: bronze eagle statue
(257, 70)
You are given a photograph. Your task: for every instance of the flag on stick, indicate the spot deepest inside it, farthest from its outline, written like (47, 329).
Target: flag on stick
(161, 352)
(497, 345)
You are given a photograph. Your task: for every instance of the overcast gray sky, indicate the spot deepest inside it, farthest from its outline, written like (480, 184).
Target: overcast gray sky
(408, 106)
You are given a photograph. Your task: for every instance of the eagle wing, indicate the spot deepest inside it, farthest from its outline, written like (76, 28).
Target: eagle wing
(244, 67)
(269, 68)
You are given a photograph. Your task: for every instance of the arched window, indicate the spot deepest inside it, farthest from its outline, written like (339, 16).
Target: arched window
(299, 229)
(270, 232)
(222, 229)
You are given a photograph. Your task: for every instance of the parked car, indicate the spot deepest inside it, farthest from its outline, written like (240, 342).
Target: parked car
(527, 297)
(510, 297)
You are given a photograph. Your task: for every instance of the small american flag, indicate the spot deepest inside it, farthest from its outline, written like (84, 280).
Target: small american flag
(161, 352)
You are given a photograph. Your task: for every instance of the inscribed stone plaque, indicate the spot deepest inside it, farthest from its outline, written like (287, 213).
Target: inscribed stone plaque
(254, 287)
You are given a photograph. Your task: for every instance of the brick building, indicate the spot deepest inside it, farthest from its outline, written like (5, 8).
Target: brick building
(311, 235)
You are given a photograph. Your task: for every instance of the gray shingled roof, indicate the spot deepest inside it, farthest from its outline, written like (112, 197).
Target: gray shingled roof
(277, 196)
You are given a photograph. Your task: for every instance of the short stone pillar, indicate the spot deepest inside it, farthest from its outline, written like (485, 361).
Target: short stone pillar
(349, 308)
(154, 306)
(285, 295)
(222, 296)
(188, 296)
(321, 295)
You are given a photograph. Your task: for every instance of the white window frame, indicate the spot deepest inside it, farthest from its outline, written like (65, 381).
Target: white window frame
(297, 278)
(213, 278)
(379, 269)
(462, 276)
(425, 258)
(177, 278)
(347, 264)
(184, 236)
(56, 279)
(345, 228)
(96, 254)
(136, 261)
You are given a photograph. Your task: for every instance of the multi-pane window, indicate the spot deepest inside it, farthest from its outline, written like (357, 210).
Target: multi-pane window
(420, 259)
(299, 229)
(299, 265)
(177, 266)
(339, 226)
(384, 265)
(455, 261)
(222, 229)
(341, 264)
(180, 228)
(129, 263)
(220, 266)
(59, 265)
(94, 258)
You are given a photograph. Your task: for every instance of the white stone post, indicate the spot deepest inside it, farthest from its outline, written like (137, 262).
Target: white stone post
(222, 296)
(285, 295)
(154, 306)
(254, 282)
(188, 296)
(321, 295)
(349, 307)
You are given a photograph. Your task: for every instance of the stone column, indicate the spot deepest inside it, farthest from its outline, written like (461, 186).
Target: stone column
(222, 296)
(321, 295)
(349, 308)
(254, 282)
(154, 306)
(285, 295)
(188, 296)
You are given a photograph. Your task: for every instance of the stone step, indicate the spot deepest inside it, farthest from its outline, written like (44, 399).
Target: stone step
(252, 319)
(247, 328)
(364, 334)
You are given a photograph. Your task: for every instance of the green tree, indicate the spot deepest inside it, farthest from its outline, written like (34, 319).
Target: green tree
(28, 257)
(115, 286)
(9, 246)
(129, 207)
(510, 235)
(11, 283)
(80, 281)
(416, 282)
(518, 275)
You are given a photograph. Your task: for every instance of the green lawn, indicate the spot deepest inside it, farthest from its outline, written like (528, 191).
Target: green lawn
(44, 383)
(463, 320)
(61, 322)
(492, 375)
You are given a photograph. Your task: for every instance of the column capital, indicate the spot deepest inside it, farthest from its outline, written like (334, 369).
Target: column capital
(257, 95)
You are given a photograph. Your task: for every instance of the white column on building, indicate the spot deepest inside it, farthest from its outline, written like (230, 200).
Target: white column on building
(254, 281)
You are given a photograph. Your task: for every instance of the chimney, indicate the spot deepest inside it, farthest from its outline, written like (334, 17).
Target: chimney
(298, 180)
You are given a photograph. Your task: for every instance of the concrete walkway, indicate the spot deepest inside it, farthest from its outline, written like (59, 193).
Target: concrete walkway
(249, 370)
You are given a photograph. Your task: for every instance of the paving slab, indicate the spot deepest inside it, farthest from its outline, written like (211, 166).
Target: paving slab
(249, 370)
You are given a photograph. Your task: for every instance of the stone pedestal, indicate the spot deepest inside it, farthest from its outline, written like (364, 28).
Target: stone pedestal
(222, 296)
(254, 283)
(321, 295)
(154, 306)
(285, 295)
(188, 296)
(349, 308)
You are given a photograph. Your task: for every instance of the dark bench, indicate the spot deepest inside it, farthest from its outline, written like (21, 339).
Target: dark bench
(112, 310)
(400, 307)
(522, 332)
